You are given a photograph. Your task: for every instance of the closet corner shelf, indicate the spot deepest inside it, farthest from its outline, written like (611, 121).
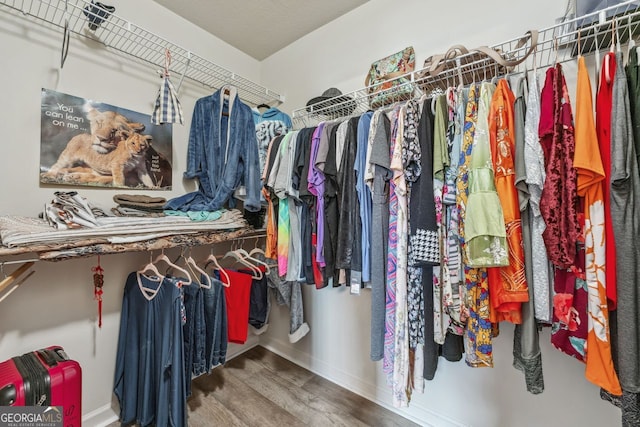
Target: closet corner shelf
(92, 247)
(556, 44)
(125, 37)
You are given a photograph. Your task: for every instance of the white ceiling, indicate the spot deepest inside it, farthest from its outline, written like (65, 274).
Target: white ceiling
(260, 27)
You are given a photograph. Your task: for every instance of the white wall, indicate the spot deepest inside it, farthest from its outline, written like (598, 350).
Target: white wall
(339, 55)
(55, 306)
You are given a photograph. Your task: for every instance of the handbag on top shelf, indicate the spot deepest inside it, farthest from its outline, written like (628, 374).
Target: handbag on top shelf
(385, 82)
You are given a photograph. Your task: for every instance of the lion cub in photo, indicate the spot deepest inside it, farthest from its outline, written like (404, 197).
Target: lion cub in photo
(108, 168)
(105, 129)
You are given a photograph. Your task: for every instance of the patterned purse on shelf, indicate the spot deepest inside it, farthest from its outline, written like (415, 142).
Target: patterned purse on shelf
(385, 84)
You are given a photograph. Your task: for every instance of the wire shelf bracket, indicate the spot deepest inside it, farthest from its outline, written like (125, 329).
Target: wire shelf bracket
(589, 33)
(127, 38)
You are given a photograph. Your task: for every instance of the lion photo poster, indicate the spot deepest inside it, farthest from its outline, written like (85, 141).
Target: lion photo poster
(83, 142)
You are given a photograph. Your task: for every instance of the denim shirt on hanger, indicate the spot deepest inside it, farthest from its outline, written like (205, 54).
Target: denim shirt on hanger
(222, 155)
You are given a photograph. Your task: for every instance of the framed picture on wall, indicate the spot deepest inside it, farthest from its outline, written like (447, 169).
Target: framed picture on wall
(83, 142)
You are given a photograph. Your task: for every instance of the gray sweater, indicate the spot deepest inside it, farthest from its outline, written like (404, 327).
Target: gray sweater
(625, 215)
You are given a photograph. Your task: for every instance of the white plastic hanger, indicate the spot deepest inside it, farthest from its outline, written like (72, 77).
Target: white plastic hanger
(213, 259)
(248, 257)
(192, 265)
(616, 28)
(632, 42)
(144, 271)
(185, 273)
(194, 275)
(257, 274)
(607, 58)
(259, 251)
(150, 268)
(631, 45)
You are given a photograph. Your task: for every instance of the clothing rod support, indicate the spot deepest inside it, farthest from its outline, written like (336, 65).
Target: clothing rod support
(19, 261)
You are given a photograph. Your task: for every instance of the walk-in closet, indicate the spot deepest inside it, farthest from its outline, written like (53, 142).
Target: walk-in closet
(354, 213)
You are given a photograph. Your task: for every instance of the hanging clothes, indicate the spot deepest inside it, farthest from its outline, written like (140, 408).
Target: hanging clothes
(327, 159)
(364, 195)
(472, 173)
(401, 333)
(349, 237)
(478, 332)
(392, 254)
(306, 205)
(453, 289)
(279, 189)
(205, 330)
(289, 294)
(485, 235)
(295, 265)
(569, 329)
(412, 169)
(508, 285)
(631, 398)
(215, 313)
(315, 181)
(258, 301)
(439, 152)
(381, 165)
(271, 243)
(237, 296)
(536, 175)
(526, 342)
(625, 214)
(268, 125)
(222, 154)
(423, 247)
(150, 376)
(625, 196)
(604, 99)
(265, 132)
(590, 177)
(272, 114)
(633, 79)
(558, 204)
(193, 338)
(559, 209)
(167, 108)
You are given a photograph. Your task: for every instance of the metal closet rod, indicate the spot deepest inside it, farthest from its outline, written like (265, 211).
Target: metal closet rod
(19, 261)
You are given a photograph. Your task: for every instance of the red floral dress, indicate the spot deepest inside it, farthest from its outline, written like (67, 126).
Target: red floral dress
(559, 208)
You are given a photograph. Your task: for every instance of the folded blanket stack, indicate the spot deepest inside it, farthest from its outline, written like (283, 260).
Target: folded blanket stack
(24, 231)
(138, 205)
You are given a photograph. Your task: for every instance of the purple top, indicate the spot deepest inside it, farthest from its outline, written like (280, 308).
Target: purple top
(316, 187)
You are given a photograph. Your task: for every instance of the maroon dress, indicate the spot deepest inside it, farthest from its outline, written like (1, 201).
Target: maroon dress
(559, 208)
(558, 204)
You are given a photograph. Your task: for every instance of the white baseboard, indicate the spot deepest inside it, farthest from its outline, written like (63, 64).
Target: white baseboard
(100, 417)
(416, 413)
(235, 350)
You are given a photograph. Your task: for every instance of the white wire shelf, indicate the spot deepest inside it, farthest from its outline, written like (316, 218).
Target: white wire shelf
(558, 43)
(125, 37)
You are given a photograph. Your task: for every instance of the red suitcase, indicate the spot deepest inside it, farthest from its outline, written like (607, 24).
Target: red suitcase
(45, 377)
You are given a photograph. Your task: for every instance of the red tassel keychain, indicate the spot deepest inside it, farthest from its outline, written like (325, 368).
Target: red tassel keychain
(98, 282)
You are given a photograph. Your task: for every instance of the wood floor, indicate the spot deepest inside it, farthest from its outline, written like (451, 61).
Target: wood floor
(260, 388)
